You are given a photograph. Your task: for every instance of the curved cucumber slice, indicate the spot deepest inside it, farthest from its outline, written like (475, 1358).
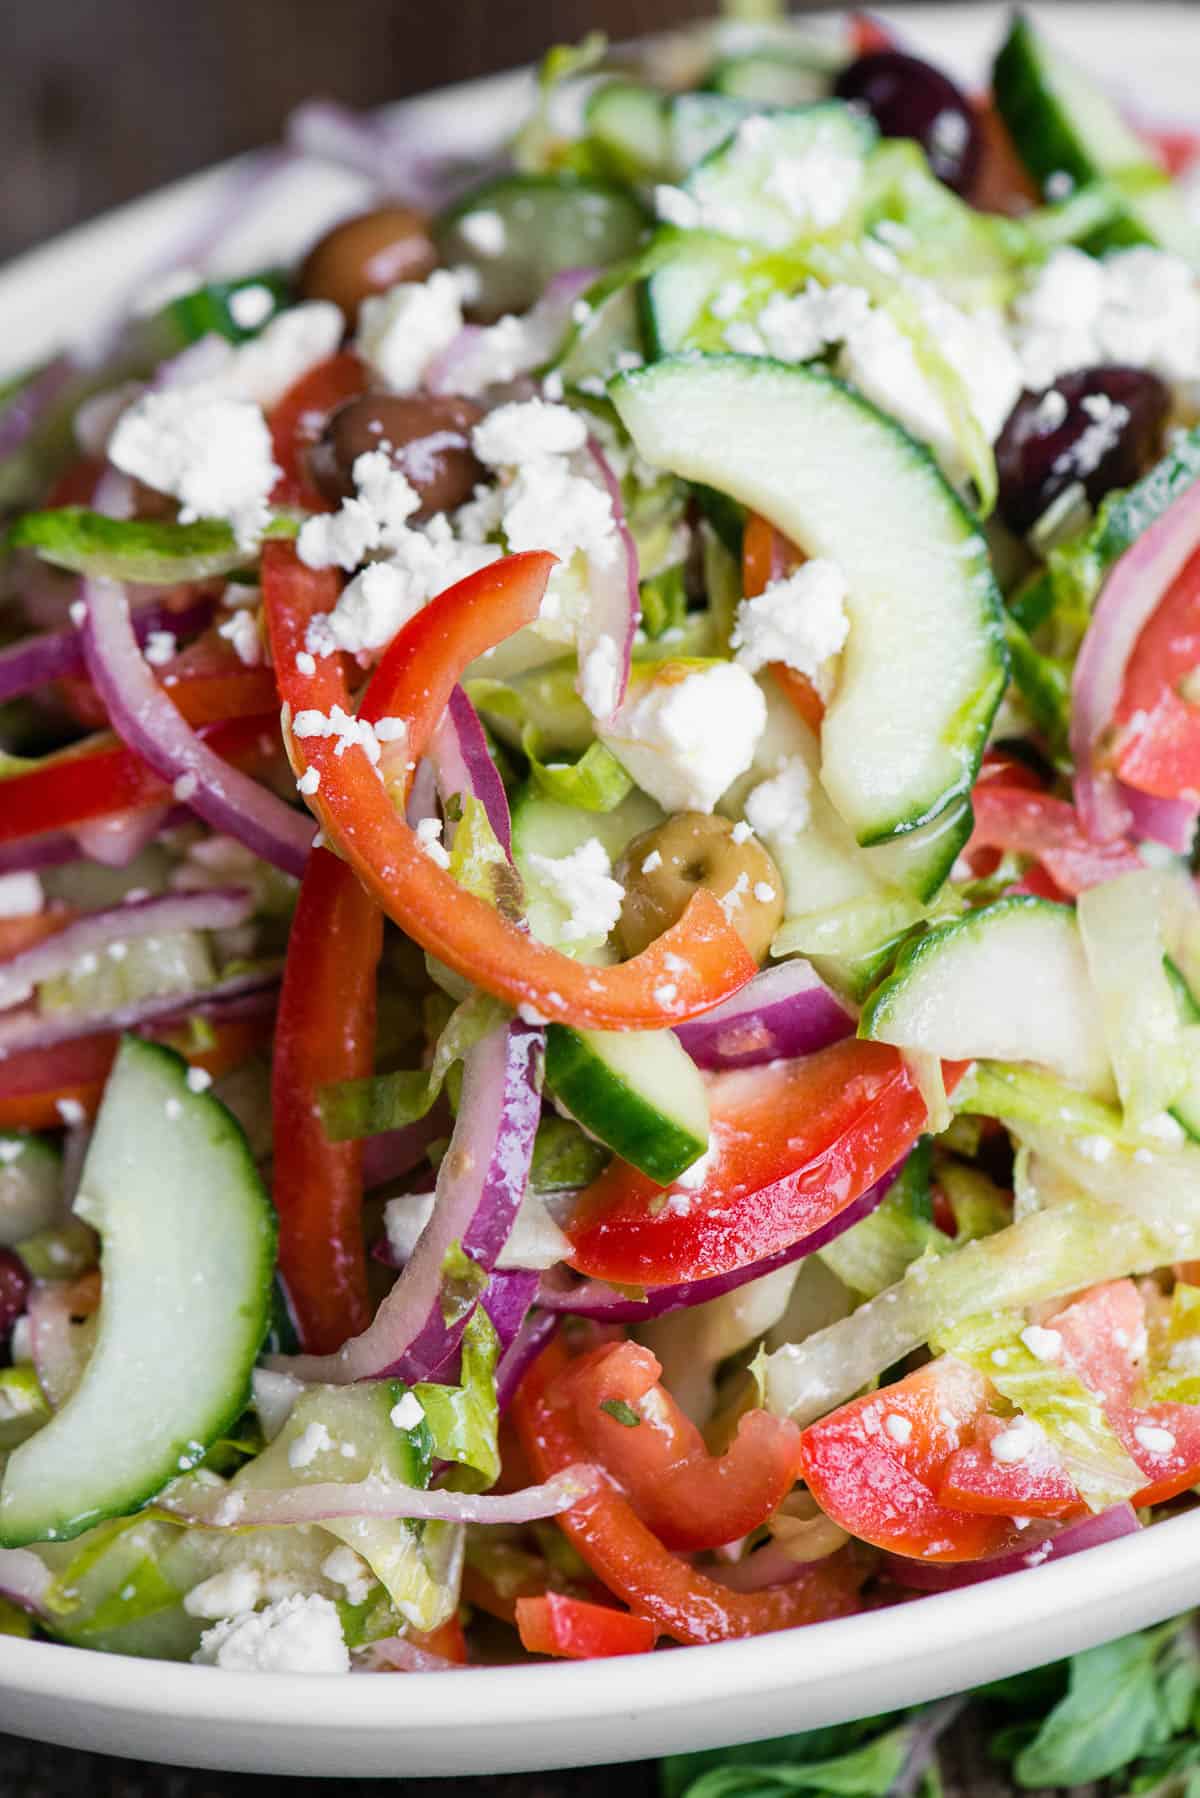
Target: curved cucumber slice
(550, 223)
(1006, 983)
(639, 1091)
(925, 664)
(188, 1256)
(1062, 123)
(628, 122)
(776, 77)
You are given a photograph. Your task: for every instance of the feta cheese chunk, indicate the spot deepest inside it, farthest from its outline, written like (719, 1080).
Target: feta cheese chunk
(813, 188)
(293, 1635)
(348, 1570)
(518, 432)
(214, 455)
(20, 895)
(225, 1594)
(800, 620)
(686, 737)
(583, 882)
(402, 331)
(780, 808)
(1139, 306)
(294, 341)
(797, 327)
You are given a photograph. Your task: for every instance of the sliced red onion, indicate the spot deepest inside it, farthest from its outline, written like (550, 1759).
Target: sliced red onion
(24, 1579)
(396, 1654)
(462, 763)
(468, 364)
(29, 664)
(767, 1566)
(29, 405)
(592, 1298)
(401, 156)
(784, 1012)
(610, 620)
(1171, 822)
(521, 1353)
(25, 1030)
(145, 719)
(224, 1507)
(947, 1576)
(396, 1152)
(113, 841)
(480, 1185)
(213, 908)
(1127, 601)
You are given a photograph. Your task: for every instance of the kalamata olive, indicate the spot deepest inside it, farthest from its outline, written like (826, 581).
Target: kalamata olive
(910, 98)
(427, 436)
(1097, 428)
(368, 254)
(662, 868)
(14, 1291)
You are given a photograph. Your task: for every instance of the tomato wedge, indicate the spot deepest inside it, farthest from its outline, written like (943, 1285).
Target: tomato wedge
(792, 1144)
(325, 1033)
(876, 1465)
(299, 419)
(100, 776)
(355, 808)
(1158, 733)
(681, 1600)
(1102, 1331)
(578, 1631)
(974, 1480)
(1048, 830)
(689, 1498)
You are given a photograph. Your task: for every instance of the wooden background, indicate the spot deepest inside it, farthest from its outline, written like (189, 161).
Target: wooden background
(101, 100)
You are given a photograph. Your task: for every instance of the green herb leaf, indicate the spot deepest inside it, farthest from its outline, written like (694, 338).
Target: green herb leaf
(621, 1412)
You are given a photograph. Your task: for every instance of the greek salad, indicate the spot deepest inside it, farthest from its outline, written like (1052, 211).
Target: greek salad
(599, 946)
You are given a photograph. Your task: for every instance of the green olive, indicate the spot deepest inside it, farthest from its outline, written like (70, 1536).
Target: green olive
(663, 867)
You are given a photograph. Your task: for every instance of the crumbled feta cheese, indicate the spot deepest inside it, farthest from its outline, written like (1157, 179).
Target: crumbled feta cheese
(1154, 1439)
(293, 1635)
(212, 454)
(674, 207)
(764, 892)
(20, 895)
(524, 429)
(71, 1112)
(484, 232)
(780, 808)
(185, 787)
(159, 648)
(599, 678)
(741, 833)
(1043, 1345)
(653, 860)
(242, 630)
(341, 725)
(305, 663)
(728, 299)
(1095, 1148)
(797, 327)
(309, 782)
(429, 835)
(402, 331)
(549, 507)
(800, 620)
(898, 1428)
(350, 1571)
(403, 1220)
(250, 307)
(294, 341)
(693, 1178)
(686, 740)
(744, 338)
(1139, 306)
(308, 1445)
(1014, 1444)
(583, 883)
(813, 189)
(407, 1412)
(198, 1079)
(225, 1594)
(375, 518)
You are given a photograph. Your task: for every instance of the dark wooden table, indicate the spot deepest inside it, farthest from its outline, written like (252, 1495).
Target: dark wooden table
(101, 100)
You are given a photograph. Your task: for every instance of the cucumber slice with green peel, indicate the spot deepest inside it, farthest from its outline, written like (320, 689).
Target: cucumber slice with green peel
(691, 267)
(1006, 983)
(784, 177)
(776, 77)
(1063, 124)
(187, 1261)
(629, 124)
(638, 1091)
(1186, 1109)
(551, 223)
(925, 664)
(31, 1186)
(698, 124)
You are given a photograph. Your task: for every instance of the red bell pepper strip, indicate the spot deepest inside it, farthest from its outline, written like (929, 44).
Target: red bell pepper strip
(875, 1465)
(299, 419)
(792, 1144)
(689, 1498)
(767, 556)
(100, 776)
(1159, 751)
(325, 1033)
(1048, 831)
(575, 1630)
(1158, 733)
(1101, 1333)
(207, 683)
(359, 813)
(682, 1601)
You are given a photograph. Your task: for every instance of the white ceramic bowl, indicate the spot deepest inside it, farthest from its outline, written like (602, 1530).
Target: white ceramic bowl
(519, 1718)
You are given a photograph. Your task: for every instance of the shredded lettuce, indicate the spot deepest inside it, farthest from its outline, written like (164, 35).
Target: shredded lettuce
(978, 1205)
(1053, 1397)
(1178, 1378)
(595, 783)
(149, 551)
(462, 1422)
(380, 1102)
(877, 1251)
